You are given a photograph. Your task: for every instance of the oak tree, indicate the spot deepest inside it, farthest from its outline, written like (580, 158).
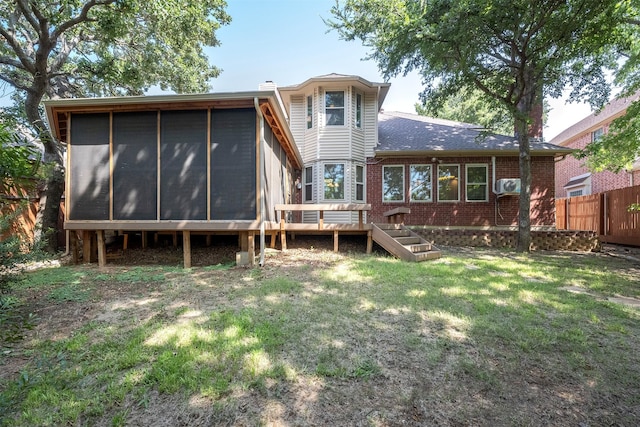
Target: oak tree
(514, 51)
(78, 48)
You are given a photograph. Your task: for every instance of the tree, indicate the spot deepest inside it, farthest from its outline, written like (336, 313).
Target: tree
(514, 51)
(75, 48)
(18, 163)
(471, 106)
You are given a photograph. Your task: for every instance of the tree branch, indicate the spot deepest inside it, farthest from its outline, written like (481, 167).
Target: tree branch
(17, 49)
(7, 60)
(14, 83)
(83, 16)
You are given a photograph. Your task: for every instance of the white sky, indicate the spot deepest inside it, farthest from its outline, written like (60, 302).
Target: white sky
(287, 42)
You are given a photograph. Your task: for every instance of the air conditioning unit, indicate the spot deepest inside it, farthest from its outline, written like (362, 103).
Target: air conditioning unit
(508, 186)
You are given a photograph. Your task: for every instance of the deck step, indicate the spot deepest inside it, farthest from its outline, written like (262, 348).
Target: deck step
(404, 243)
(399, 233)
(420, 247)
(410, 240)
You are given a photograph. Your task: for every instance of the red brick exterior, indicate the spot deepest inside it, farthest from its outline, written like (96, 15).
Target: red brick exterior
(600, 181)
(496, 211)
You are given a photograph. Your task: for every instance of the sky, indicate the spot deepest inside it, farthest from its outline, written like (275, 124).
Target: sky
(287, 42)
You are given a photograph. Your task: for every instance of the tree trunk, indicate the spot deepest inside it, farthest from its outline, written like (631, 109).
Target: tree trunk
(50, 197)
(524, 217)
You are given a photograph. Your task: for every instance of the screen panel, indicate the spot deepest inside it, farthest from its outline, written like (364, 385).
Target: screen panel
(183, 165)
(89, 169)
(233, 164)
(135, 157)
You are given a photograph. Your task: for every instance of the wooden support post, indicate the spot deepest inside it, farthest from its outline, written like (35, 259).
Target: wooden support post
(360, 219)
(144, 239)
(243, 236)
(335, 240)
(208, 240)
(283, 233)
(174, 234)
(86, 246)
(125, 242)
(369, 242)
(251, 248)
(272, 239)
(102, 249)
(321, 222)
(186, 248)
(156, 237)
(73, 245)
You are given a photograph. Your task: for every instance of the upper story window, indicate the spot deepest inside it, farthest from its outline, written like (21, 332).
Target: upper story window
(597, 134)
(477, 183)
(393, 183)
(334, 108)
(309, 112)
(448, 183)
(358, 119)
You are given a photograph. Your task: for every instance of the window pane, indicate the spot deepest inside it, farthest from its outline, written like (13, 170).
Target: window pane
(358, 111)
(335, 116)
(392, 183)
(476, 192)
(477, 174)
(309, 112)
(334, 181)
(308, 175)
(308, 184)
(334, 99)
(359, 174)
(448, 182)
(420, 176)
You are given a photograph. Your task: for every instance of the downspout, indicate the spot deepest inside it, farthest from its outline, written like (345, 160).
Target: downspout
(262, 178)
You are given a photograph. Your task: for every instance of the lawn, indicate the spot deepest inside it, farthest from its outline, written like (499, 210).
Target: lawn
(478, 337)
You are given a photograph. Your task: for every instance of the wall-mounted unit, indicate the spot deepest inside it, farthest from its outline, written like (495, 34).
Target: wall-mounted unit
(508, 186)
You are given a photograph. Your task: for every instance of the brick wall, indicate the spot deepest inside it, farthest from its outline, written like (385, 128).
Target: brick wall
(600, 181)
(496, 211)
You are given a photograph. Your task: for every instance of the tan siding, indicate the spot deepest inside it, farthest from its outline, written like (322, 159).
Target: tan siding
(370, 123)
(309, 148)
(297, 122)
(357, 145)
(334, 143)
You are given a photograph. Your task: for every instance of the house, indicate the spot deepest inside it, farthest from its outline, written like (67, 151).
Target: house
(317, 153)
(573, 178)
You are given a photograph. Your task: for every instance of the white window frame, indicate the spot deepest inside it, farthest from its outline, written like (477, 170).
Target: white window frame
(308, 184)
(597, 134)
(403, 184)
(438, 181)
(358, 116)
(485, 183)
(430, 199)
(360, 183)
(327, 108)
(324, 183)
(309, 111)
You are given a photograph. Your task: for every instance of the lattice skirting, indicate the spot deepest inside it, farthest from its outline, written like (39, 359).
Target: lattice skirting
(554, 240)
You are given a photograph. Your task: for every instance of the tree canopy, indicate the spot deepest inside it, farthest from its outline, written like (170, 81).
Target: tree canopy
(514, 51)
(471, 106)
(18, 162)
(74, 48)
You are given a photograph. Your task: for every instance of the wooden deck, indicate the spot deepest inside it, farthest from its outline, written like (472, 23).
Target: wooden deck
(93, 232)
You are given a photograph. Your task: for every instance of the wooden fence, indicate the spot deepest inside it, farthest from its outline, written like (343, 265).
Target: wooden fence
(605, 213)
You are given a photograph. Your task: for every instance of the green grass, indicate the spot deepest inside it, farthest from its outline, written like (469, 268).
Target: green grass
(478, 322)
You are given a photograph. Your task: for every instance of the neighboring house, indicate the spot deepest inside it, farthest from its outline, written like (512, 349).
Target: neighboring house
(573, 178)
(221, 162)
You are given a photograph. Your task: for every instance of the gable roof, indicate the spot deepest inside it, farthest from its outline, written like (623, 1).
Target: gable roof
(410, 134)
(609, 112)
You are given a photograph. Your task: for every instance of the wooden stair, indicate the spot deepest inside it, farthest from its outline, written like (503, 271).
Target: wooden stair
(403, 243)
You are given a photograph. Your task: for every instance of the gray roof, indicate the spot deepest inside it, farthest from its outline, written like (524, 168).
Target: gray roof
(403, 134)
